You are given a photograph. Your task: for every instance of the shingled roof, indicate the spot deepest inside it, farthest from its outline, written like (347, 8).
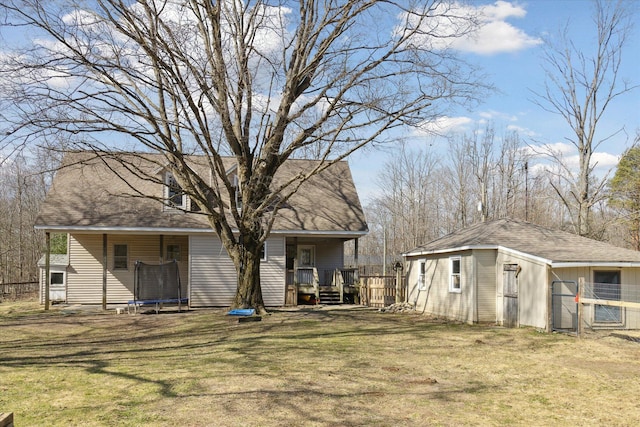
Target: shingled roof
(554, 246)
(89, 193)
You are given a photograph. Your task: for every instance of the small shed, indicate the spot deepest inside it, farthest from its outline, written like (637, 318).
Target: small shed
(58, 266)
(515, 273)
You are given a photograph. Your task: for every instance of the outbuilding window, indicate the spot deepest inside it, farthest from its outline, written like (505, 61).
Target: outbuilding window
(455, 276)
(422, 284)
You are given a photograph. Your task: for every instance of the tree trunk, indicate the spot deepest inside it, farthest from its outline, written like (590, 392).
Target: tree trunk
(247, 263)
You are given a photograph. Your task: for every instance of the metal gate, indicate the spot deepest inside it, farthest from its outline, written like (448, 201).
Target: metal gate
(564, 308)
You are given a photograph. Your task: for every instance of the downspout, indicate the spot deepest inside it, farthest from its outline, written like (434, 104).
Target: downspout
(104, 271)
(47, 270)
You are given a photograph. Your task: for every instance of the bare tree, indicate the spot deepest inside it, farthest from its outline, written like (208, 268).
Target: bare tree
(260, 81)
(580, 87)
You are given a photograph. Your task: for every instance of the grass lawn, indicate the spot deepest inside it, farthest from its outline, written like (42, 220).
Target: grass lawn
(343, 367)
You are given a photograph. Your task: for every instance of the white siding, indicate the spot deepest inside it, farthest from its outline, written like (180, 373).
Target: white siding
(272, 273)
(213, 280)
(533, 285)
(212, 276)
(485, 276)
(437, 299)
(84, 277)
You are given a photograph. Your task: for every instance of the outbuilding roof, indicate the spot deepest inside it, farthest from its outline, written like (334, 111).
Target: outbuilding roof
(101, 194)
(553, 246)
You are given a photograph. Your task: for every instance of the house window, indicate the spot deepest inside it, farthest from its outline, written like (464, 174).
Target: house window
(120, 257)
(174, 194)
(263, 252)
(455, 279)
(173, 252)
(422, 285)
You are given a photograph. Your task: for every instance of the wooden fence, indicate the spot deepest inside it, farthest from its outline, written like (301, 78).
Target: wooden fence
(19, 291)
(380, 291)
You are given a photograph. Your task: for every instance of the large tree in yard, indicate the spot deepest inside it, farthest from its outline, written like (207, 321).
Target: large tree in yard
(261, 81)
(581, 84)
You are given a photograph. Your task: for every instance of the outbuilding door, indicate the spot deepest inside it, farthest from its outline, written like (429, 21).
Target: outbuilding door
(510, 295)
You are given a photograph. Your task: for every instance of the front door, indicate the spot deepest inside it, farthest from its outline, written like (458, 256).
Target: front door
(510, 295)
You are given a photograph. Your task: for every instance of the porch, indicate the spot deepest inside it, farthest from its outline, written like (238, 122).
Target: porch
(308, 285)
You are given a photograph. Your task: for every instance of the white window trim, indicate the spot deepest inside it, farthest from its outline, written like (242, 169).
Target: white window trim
(422, 273)
(452, 275)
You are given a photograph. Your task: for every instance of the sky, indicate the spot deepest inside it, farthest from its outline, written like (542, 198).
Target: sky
(509, 49)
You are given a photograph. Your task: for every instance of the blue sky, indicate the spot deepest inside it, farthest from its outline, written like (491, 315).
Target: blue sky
(510, 50)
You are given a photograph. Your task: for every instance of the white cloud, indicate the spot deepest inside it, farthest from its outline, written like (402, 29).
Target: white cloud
(497, 115)
(445, 124)
(493, 35)
(522, 130)
(546, 154)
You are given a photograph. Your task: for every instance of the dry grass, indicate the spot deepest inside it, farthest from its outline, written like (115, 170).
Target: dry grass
(343, 367)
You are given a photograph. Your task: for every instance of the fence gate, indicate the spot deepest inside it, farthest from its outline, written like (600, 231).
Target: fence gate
(564, 308)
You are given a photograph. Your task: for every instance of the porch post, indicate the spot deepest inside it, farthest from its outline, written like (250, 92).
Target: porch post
(104, 271)
(47, 270)
(161, 248)
(355, 260)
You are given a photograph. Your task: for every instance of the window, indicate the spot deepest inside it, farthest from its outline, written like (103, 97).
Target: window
(238, 191)
(263, 252)
(607, 286)
(57, 279)
(120, 257)
(455, 280)
(422, 285)
(173, 252)
(174, 194)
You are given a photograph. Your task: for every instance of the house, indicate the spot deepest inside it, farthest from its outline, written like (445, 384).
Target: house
(114, 215)
(516, 273)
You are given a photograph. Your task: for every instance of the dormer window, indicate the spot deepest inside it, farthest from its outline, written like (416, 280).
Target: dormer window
(174, 195)
(237, 191)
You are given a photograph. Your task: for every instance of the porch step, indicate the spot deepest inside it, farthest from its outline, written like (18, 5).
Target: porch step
(329, 297)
